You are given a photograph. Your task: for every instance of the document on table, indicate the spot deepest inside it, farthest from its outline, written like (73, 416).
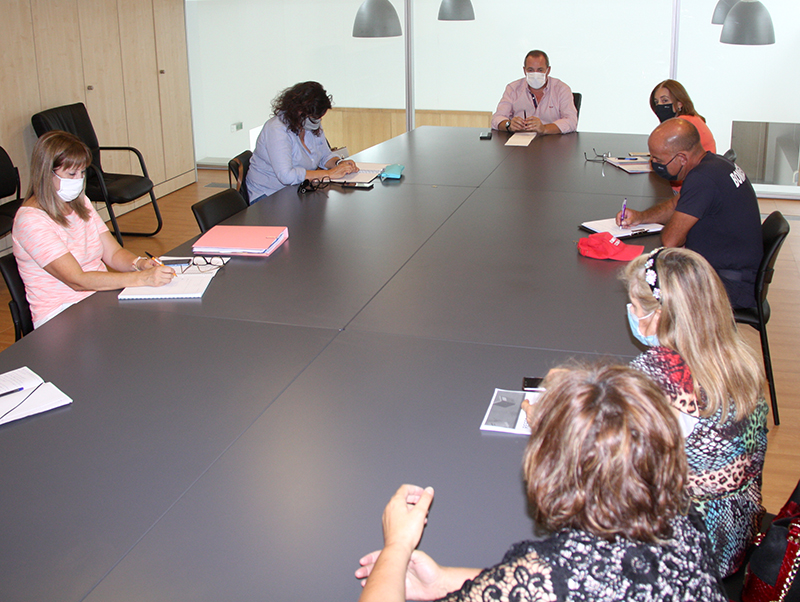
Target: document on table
(183, 286)
(521, 139)
(24, 393)
(365, 174)
(631, 164)
(505, 413)
(610, 225)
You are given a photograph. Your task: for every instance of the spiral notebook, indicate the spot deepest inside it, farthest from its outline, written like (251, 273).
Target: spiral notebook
(184, 286)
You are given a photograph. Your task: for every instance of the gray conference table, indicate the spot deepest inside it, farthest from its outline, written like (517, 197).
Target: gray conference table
(242, 447)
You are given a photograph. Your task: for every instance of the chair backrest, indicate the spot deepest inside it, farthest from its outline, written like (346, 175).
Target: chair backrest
(20, 310)
(774, 231)
(9, 176)
(730, 155)
(218, 207)
(73, 119)
(577, 97)
(237, 172)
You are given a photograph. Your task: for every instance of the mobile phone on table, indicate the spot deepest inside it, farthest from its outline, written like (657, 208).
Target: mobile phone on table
(531, 383)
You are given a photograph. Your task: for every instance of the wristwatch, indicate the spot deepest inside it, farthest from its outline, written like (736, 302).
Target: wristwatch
(508, 125)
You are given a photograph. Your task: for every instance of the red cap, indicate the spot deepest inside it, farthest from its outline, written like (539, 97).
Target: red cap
(603, 245)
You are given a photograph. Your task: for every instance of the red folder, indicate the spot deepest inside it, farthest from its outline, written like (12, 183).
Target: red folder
(241, 240)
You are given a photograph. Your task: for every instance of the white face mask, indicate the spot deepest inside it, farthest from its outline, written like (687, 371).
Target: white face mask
(69, 188)
(536, 79)
(311, 124)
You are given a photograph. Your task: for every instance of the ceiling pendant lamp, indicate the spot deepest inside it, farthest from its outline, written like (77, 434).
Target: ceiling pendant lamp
(456, 10)
(377, 19)
(721, 11)
(748, 23)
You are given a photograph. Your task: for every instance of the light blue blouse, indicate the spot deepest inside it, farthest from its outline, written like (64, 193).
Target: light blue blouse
(280, 159)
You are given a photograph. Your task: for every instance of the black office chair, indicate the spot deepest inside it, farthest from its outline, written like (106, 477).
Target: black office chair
(237, 171)
(218, 207)
(577, 97)
(20, 310)
(101, 186)
(774, 231)
(730, 155)
(9, 186)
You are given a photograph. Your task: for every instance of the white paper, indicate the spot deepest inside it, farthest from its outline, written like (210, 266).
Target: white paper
(37, 396)
(505, 413)
(521, 139)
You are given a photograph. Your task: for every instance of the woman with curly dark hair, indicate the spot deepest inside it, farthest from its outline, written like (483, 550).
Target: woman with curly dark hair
(292, 146)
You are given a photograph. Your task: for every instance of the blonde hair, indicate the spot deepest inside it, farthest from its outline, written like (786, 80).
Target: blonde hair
(605, 455)
(54, 150)
(697, 322)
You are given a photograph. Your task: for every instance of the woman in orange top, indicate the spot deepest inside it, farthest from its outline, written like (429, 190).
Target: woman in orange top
(669, 99)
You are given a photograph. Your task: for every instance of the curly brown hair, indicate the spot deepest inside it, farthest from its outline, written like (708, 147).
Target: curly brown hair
(306, 99)
(606, 455)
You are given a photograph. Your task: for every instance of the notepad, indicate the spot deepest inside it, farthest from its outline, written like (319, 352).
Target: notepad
(631, 164)
(365, 174)
(610, 225)
(183, 286)
(241, 240)
(521, 139)
(36, 396)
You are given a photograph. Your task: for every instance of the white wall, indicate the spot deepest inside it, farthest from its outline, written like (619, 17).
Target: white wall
(243, 52)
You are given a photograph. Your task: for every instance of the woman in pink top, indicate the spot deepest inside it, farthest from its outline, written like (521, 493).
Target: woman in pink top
(61, 244)
(669, 99)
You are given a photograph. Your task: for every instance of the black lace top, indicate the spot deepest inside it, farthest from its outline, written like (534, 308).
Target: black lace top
(575, 565)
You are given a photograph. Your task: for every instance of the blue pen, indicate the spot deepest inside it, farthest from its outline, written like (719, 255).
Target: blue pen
(11, 392)
(624, 206)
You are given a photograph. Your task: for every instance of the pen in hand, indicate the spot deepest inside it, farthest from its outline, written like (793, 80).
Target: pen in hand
(158, 261)
(624, 207)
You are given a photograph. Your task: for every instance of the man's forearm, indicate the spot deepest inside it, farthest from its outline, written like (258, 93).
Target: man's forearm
(661, 213)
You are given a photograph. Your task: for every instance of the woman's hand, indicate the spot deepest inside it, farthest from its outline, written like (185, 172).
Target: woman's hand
(157, 276)
(424, 576)
(342, 169)
(405, 516)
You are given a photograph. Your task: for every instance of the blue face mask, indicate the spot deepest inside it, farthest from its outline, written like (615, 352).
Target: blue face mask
(633, 320)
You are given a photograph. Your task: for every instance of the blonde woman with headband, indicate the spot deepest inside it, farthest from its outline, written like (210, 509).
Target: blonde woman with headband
(61, 245)
(679, 308)
(610, 490)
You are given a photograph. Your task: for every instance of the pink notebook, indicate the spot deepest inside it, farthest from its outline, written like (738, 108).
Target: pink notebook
(241, 240)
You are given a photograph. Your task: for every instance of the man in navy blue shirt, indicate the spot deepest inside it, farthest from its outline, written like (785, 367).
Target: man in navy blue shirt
(716, 213)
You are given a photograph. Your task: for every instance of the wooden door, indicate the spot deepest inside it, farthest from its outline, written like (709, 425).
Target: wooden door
(140, 76)
(173, 80)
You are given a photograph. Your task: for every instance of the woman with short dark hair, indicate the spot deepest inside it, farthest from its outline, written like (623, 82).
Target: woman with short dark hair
(292, 146)
(605, 472)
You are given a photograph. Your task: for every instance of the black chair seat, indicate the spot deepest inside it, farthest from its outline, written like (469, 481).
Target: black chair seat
(122, 188)
(749, 316)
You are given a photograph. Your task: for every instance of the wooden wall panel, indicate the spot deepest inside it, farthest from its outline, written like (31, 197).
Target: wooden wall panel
(358, 128)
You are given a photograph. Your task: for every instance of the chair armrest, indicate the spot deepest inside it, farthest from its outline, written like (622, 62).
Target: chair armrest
(130, 149)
